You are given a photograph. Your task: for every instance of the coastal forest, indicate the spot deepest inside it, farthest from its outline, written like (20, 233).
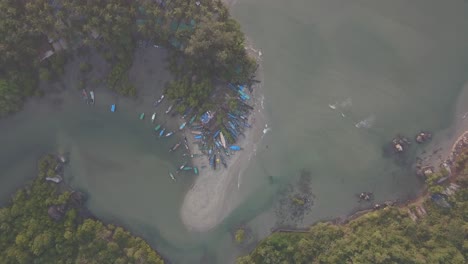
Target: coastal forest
(205, 44)
(44, 224)
(389, 235)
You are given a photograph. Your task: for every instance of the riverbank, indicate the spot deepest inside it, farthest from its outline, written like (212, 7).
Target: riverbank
(439, 217)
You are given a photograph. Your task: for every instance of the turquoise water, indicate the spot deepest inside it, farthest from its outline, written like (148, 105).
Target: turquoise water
(396, 66)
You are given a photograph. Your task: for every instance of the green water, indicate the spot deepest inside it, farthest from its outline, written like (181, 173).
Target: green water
(399, 65)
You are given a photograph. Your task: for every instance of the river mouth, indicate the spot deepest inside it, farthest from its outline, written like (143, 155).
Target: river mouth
(397, 67)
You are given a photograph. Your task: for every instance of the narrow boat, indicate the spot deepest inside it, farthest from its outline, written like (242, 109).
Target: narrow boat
(235, 148)
(162, 132)
(92, 96)
(159, 101)
(142, 116)
(172, 176)
(192, 119)
(169, 109)
(153, 117)
(196, 132)
(157, 127)
(182, 126)
(85, 95)
(174, 147)
(187, 168)
(113, 108)
(169, 134)
(195, 170)
(182, 166)
(214, 161)
(223, 140)
(198, 137)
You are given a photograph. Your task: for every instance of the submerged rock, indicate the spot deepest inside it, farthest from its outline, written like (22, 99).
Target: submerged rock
(423, 137)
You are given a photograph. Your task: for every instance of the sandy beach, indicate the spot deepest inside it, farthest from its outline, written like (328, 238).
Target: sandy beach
(206, 204)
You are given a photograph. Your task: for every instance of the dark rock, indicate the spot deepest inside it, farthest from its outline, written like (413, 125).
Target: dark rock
(56, 212)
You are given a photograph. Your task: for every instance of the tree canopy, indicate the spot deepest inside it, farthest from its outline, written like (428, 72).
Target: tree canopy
(28, 234)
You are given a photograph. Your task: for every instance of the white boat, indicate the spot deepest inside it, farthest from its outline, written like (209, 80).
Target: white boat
(153, 117)
(169, 109)
(172, 176)
(159, 101)
(223, 140)
(92, 96)
(170, 134)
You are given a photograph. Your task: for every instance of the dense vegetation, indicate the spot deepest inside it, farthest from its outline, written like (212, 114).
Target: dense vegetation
(205, 43)
(385, 236)
(28, 234)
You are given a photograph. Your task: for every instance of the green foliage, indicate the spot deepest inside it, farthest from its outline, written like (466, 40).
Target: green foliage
(29, 235)
(10, 97)
(240, 235)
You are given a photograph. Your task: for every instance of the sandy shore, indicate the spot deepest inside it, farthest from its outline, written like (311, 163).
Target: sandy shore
(206, 204)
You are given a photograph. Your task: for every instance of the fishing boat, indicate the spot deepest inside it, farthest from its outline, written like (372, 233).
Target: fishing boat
(162, 132)
(198, 137)
(142, 116)
(182, 126)
(169, 134)
(223, 140)
(157, 127)
(175, 147)
(153, 117)
(214, 162)
(172, 176)
(182, 166)
(92, 96)
(187, 168)
(192, 119)
(85, 95)
(169, 109)
(196, 132)
(195, 170)
(159, 101)
(235, 148)
(113, 108)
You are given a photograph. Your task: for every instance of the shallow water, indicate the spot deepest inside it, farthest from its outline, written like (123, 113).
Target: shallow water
(396, 66)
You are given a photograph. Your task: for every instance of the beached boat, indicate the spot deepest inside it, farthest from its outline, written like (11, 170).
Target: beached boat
(192, 119)
(169, 134)
(159, 101)
(223, 140)
(113, 108)
(182, 166)
(169, 109)
(182, 126)
(198, 136)
(153, 117)
(157, 127)
(195, 170)
(187, 168)
(172, 176)
(235, 148)
(175, 147)
(162, 132)
(196, 132)
(142, 116)
(92, 96)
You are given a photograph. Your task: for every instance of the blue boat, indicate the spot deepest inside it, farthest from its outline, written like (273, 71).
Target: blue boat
(216, 133)
(235, 148)
(113, 108)
(198, 137)
(162, 132)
